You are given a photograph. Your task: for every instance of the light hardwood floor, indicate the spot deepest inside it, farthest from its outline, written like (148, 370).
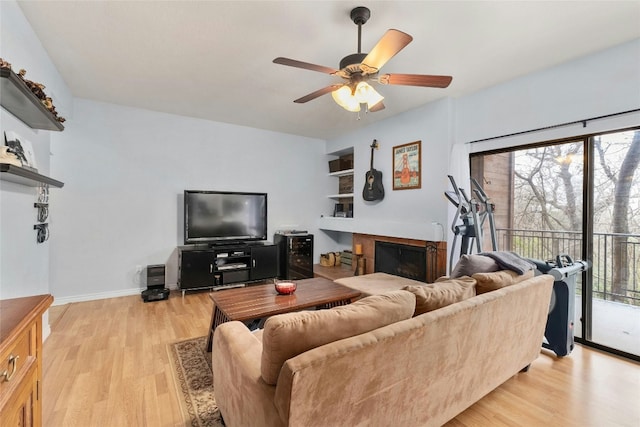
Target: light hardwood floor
(105, 364)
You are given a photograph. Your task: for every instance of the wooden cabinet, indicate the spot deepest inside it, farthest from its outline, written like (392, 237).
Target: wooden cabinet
(21, 358)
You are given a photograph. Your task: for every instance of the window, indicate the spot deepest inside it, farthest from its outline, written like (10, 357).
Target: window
(579, 197)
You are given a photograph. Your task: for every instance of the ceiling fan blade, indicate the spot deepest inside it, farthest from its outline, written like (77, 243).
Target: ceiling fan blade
(391, 43)
(316, 94)
(304, 65)
(379, 106)
(415, 80)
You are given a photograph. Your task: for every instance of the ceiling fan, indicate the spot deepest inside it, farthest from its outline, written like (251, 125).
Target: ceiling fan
(359, 69)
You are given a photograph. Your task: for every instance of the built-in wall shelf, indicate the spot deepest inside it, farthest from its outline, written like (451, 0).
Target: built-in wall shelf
(341, 196)
(20, 101)
(25, 176)
(345, 172)
(331, 223)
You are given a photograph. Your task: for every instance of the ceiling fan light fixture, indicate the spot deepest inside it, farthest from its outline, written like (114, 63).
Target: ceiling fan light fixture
(350, 98)
(346, 99)
(366, 94)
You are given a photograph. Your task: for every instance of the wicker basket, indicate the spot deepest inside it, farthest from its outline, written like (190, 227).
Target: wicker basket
(330, 259)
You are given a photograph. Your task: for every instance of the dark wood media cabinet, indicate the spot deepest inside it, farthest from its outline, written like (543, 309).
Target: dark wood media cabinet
(219, 267)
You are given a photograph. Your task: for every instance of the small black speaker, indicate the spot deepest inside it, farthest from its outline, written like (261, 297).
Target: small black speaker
(155, 276)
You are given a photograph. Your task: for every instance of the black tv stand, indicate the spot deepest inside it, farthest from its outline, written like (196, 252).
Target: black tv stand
(216, 267)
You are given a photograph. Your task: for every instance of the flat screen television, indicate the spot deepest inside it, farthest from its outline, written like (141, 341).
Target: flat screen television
(219, 217)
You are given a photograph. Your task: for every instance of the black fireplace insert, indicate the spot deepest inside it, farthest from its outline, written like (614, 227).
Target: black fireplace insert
(401, 260)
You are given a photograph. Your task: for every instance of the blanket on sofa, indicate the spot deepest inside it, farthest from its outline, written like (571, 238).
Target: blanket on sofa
(510, 261)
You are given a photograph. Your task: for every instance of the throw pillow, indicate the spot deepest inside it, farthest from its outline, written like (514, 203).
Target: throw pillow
(288, 335)
(471, 264)
(499, 279)
(440, 294)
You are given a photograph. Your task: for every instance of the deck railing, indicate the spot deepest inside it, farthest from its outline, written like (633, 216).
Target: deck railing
(547, 244)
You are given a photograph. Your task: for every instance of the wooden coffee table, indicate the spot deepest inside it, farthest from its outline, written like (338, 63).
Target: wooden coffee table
(260, 301)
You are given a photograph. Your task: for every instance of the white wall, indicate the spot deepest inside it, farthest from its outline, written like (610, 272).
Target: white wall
(603, 83)
(125, 170)
(24, 264)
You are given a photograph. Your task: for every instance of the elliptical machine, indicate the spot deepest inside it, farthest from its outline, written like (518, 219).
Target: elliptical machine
(472, 213)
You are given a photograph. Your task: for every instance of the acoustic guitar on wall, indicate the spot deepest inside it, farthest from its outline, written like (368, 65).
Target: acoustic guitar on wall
(373, 189)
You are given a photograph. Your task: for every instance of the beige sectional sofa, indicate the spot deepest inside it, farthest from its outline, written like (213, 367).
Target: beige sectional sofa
(373, 363)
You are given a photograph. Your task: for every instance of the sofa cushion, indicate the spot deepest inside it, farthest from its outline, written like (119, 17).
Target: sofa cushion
(288, 335)
(471, 264)
(487, 282)
(440, 294)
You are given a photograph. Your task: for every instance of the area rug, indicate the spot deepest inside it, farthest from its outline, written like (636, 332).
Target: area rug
(193, 378)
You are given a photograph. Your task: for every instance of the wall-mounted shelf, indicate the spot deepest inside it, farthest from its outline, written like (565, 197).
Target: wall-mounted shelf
(18, 99)
(25, 176)
(345, 172)
(331, 223)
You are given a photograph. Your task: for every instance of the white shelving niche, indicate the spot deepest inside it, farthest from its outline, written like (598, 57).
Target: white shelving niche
(341, 172)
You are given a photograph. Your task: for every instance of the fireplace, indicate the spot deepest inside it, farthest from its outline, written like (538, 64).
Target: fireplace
(401, 260)
(421, 260)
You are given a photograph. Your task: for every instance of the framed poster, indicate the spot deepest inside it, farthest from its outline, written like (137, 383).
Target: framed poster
(407, 166)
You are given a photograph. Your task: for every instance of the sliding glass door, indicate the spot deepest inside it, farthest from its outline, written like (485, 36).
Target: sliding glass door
(579, 198)
(615, 310)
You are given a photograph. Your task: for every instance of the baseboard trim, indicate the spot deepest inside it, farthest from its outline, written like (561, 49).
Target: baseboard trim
(102, 295)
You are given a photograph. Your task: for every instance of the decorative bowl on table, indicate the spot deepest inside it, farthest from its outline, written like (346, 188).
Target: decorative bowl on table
(285, 288)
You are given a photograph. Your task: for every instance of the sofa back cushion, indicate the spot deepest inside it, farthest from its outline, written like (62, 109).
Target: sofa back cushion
(442, 293)
(288, 335)
(471, 264)
(487, 282)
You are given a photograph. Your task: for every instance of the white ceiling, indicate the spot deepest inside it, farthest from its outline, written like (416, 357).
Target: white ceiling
(213, 59)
